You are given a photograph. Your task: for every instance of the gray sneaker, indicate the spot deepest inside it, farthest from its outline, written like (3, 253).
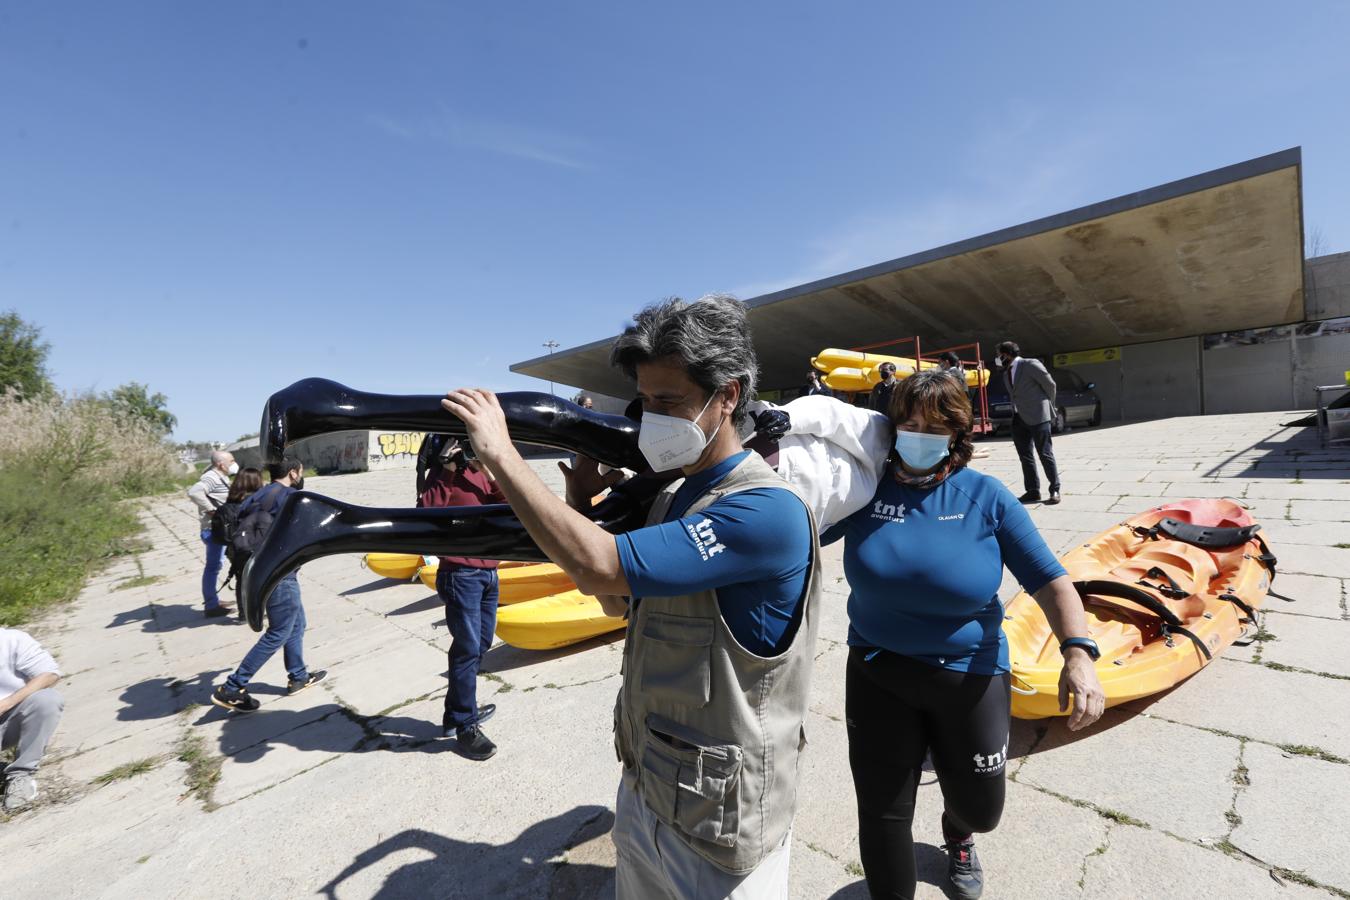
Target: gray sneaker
(20, 792)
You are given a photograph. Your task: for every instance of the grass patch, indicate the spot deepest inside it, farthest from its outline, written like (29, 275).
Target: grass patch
(203, 772)
(1234, 820)
(1120, 818)
(1312, 752)
(129, 770)
(854, 869)
(142, 859)
(1342, 546)
(138, 581)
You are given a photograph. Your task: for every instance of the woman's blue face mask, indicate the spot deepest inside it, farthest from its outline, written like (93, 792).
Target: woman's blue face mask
(922, 451)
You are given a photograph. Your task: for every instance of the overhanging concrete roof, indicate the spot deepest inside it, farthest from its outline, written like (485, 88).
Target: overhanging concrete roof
(1221, 251)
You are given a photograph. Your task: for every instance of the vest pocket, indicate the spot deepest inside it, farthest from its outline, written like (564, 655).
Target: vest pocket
(692, 781)
(677, 659)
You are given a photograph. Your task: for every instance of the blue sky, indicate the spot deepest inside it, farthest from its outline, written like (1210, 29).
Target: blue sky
(219, 199)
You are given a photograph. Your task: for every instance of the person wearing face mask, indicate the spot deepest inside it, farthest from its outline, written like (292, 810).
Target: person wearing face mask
(725, 590)
(209, 494)
(880, 398)
(928, 667)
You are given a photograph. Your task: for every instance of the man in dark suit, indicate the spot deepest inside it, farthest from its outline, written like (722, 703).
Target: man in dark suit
(880, 399)
(1032, 392)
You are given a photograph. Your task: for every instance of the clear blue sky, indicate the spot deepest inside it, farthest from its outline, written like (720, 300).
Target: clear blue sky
(220, 198)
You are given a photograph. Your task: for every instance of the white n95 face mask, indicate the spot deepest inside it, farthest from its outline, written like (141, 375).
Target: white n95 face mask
(233, 468)
(671, 442)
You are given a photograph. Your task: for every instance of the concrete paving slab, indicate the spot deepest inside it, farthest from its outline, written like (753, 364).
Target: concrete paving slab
(1143, 863)
(1319, 510)
(287, 755)
(1261, 703)
(1318, 645)
(1156, 780)
(1313, 595)
(1316, 534)
(1038, 848)
(1283, 782)
(1304, 560)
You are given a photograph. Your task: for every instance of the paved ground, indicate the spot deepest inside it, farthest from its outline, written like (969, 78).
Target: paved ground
(1233, 785)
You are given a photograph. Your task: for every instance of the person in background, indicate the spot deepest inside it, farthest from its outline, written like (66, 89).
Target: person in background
(30, 709)
(468, 588)
(584, 401)
(880, 398)
(209, 494)
(285, 614)
(928, 668)
(226, 519)
(950, 363)
(1032, 392)
(814, 386)
(434, 450)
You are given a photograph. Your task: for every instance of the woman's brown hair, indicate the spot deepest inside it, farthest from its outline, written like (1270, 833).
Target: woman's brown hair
(246, 482)
(939, 399)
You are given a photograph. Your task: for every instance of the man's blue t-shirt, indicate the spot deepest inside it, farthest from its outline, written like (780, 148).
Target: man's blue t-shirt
(753, 547)
(924, 567)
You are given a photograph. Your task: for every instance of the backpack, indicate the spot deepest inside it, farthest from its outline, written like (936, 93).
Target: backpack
(248, 532)
(224, 521)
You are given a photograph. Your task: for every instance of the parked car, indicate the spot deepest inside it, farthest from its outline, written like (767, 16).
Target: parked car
(1076, 401)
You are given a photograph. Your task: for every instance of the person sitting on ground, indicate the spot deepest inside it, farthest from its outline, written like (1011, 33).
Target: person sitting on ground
(30, 709)
(880, 398)
(468, 588)
(928, 666)
(725, 589)
(814, 386)
(285, 613)
(226, 519)
(209, 493)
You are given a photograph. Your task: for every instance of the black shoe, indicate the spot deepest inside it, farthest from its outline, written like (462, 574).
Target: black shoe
(1030, 497)
(216, 612)
(964, 873)
(484, 713)
(295, 687)
(1054, 498)
(235, 701)
(474, 744)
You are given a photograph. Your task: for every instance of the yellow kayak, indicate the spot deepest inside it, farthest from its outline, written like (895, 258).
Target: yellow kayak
(399, 566)
(555, 621)
(853, 370)
(517, 581)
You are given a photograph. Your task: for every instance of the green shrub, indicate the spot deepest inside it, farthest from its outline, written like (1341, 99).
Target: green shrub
(67, 467)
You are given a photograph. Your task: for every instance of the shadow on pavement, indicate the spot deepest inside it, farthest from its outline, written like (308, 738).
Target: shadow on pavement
(375, 585)
(930, 867)
(158, 698)
(1027, 737)
(432, 601)
(504, 657)
(161, 617)
(520, 868)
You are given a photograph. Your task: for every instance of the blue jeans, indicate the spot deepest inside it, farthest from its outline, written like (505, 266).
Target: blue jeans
(214, 554)
(285, 629)
(470, 597)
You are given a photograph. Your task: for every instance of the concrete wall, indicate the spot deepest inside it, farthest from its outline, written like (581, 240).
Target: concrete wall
(342, 451)
(1252, 378)
(1161, 379)
(1326, 287)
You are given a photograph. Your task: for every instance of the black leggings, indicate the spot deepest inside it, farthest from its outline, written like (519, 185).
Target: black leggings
(899, 708)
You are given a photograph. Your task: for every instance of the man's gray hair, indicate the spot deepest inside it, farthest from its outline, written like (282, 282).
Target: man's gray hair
(220, 456)
(710, 336)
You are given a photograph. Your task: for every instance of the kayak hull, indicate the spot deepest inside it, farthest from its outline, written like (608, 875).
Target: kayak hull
(558, 620)
(399, 566)
(853, 370)
(516, 582)
(1138, 660)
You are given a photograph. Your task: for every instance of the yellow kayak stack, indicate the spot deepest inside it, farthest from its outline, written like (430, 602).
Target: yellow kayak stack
(558, 620)
(853, 370)
(399, 566)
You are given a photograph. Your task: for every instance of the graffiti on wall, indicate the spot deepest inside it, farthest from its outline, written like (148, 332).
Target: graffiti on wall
(403, 443)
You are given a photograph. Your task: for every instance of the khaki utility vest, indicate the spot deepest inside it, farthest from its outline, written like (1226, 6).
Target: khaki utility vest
(711, 732)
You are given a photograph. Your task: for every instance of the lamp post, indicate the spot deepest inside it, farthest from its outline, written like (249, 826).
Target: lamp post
(551, 345)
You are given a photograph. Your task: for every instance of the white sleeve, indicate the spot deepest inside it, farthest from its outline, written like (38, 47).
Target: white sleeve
(834, 455)
(30, 660)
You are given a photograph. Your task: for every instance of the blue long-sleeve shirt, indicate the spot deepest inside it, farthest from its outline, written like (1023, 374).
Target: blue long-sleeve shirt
(924, 567)
(753, 547)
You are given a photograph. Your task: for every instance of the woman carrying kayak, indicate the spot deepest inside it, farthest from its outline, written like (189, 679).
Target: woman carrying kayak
(928, 664)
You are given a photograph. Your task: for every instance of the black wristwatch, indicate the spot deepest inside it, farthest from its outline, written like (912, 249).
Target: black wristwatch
(1087, 644)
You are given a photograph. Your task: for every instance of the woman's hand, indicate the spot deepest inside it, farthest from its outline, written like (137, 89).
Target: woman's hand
(1079, 678)
(483, 418)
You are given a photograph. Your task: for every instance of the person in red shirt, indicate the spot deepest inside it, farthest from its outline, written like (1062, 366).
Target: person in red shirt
(468, 588)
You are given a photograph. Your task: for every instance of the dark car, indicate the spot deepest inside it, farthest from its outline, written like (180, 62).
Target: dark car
(1076, 401)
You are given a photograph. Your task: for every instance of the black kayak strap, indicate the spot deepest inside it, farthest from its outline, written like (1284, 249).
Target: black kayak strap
(1205, 536)
(1240, 604)
(1171, 622)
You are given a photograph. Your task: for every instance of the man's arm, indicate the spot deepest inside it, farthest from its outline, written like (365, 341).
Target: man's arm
(583, 550)
(1043, 379)
(197, 494)
(45, 680)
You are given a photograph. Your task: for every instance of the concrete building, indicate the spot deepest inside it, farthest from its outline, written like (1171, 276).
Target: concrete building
(1187, 298)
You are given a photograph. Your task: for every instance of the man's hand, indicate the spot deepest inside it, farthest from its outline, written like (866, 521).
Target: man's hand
(584, 481)
(486, 423)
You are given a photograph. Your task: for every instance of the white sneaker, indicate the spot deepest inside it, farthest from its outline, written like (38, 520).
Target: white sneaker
(20, 791)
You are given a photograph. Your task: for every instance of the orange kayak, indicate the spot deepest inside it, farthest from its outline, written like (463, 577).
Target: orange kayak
(1165, 592)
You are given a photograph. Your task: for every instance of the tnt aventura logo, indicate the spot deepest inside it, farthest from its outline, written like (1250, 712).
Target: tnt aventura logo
(993, 763)
(888, 512)
(705, 539)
